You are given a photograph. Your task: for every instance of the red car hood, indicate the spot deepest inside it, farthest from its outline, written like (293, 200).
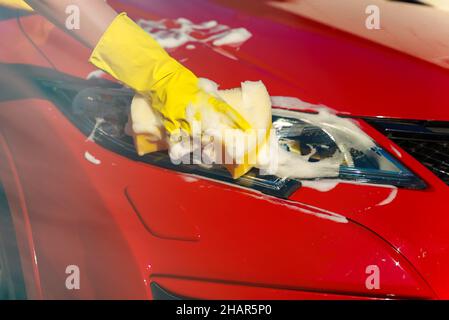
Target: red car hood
(314, 62)
(297, 57)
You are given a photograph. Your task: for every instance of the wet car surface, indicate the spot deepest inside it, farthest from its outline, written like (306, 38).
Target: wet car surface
(143, 228)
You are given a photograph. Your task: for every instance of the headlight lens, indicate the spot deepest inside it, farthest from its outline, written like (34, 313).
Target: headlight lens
(361, 161)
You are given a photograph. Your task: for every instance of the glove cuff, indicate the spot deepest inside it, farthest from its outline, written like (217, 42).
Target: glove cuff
(16, 4)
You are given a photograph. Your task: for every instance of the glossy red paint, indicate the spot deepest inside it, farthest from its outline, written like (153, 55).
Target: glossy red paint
(82, 216)
(223, 241)
(232, 291)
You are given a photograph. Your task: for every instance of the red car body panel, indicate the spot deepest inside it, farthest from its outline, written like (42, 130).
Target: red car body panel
(127, 224)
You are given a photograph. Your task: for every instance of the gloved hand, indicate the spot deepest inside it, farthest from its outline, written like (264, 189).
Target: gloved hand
(129, 54)
(16, 4)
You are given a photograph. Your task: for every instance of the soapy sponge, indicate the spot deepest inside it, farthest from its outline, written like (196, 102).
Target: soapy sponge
(147, 129)
(253, 102)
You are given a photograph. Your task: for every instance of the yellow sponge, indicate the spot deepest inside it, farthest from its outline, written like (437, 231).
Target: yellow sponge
(148, 131)
(253, 102)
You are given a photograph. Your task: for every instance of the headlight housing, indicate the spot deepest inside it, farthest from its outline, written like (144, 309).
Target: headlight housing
(361, 159)
(85, 102)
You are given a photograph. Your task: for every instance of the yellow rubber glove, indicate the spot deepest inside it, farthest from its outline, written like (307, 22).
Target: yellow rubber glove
(16, 4)
(132, 56)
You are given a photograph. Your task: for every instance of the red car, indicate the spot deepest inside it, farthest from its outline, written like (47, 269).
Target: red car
(76, 199)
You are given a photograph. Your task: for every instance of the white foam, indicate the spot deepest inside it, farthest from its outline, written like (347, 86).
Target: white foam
(291, 165)
(304, 208)
(89, 157)
(208, 86)
(96, 74)
(98, 123)
(294, 103)
(321, 185)
(169, 40)
(212, 33)
(390, 198)
(343, 131)
(234, 36)
(189, 179)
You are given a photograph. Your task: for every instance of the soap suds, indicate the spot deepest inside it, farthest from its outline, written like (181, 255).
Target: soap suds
(290, 165)
(389, 199)
(189, 179)
(295, 206)
(295, 103)
(325, 185)
(98, 123)
(344, 133)
(89, 157)
(310, 210)
(341, 129)
(320, 185)
(172, 34)
(96, 74)
(233, 36)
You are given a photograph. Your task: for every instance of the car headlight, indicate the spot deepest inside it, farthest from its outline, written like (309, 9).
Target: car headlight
(87, 102)
(326, 137)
